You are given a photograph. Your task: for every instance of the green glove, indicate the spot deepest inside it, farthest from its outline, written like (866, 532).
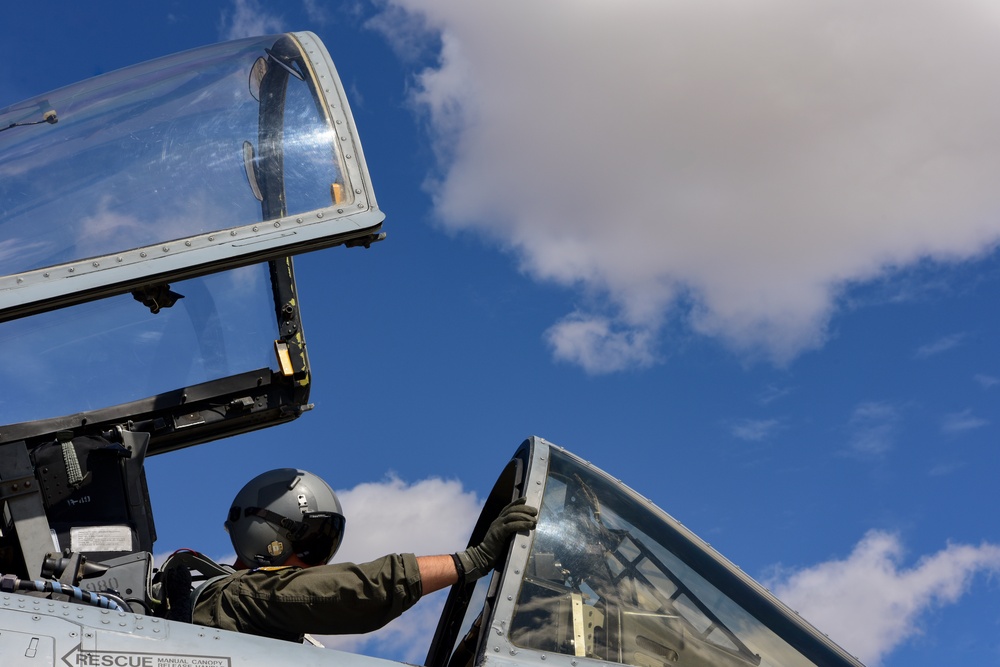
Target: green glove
(476, 561)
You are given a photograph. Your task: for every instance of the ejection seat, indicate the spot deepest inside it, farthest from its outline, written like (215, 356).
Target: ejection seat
(79, 514)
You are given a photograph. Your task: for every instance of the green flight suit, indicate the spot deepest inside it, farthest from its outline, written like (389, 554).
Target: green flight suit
(288, 602)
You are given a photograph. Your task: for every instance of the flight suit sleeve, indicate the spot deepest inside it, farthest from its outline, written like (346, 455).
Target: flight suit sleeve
(285, 603)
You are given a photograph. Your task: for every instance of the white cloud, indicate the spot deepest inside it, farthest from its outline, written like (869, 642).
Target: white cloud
(771, 393)
(597, 345)
(432, 516)
(756, 430)
(736, 165)
(940, 346)
(986, 381)
(247, 18)
(944, 469)
(873, 427)
(316, 11)
(16, 248)
(106, 229)
(960, 422)
(869, 603)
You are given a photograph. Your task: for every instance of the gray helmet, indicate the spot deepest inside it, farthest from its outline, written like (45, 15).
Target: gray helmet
(284, 512)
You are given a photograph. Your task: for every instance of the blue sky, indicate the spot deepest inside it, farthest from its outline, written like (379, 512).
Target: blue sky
(740, 255)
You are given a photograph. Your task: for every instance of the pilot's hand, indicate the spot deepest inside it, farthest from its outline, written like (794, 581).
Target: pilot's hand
(477, 561)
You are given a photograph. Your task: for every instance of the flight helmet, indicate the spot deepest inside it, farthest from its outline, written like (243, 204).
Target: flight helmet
(284, 512)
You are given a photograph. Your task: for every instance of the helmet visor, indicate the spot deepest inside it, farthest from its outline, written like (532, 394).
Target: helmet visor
(317, 536)
(314, 538)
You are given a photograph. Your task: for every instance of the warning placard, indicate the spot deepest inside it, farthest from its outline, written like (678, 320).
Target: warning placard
(78, 658)
(101, 538)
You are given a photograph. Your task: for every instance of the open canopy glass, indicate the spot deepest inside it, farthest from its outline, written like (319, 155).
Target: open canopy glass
(205, 160)
(147, 221)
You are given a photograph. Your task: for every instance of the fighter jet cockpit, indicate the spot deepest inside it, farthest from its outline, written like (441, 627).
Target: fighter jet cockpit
(148, 219)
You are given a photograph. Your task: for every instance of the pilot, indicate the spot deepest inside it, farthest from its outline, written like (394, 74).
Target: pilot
(286, 525)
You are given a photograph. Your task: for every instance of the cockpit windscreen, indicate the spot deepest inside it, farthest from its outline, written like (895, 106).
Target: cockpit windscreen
(605, 581)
